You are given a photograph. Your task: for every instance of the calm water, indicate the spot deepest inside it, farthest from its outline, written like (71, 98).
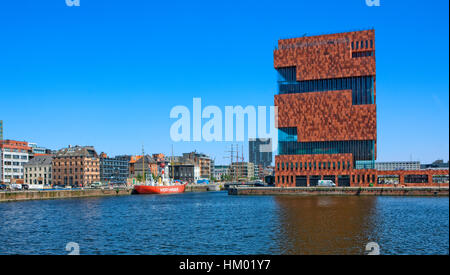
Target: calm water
(215, 223)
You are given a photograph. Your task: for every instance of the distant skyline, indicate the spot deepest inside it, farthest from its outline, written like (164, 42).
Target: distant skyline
(108, 73)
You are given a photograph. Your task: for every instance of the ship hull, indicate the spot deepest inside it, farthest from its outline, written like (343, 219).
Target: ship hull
(171, 189)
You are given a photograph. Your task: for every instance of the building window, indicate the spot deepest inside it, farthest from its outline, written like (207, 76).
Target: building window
(440, 179)
(416, 178)
(361, 86)
(362, 54)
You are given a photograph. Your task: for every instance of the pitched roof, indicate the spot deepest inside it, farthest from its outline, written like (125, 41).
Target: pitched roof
(40, 160)
(78, 151)
(148, 159)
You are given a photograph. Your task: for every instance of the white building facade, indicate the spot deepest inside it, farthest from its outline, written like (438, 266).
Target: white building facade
(13, 156)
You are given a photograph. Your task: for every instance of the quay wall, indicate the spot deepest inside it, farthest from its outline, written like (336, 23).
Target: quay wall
(341, 191)
(60, 194)
(200, 187)
(6, 196)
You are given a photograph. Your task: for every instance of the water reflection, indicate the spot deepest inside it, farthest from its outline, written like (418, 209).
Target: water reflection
(326, 225)
(215, 223)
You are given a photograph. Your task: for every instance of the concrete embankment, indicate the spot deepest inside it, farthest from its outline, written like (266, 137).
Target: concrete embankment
(202, 187)
(78, 193)
(341, 191)
(60, 194)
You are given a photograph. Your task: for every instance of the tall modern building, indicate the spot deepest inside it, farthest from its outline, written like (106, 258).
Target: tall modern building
(260, 151)
(326, 101)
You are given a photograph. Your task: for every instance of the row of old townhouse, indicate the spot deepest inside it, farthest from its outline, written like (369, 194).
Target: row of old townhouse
(23, 162)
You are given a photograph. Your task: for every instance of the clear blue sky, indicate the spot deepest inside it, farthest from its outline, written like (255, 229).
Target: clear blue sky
(107, 73)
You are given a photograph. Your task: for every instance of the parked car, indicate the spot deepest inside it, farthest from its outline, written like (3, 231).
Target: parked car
(259, 183)
(326, 183)
(15, 186)
(96, 185)
(25, 186)
(3, 186)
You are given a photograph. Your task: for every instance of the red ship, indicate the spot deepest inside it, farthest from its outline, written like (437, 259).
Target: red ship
(160, 189)
(165, 185)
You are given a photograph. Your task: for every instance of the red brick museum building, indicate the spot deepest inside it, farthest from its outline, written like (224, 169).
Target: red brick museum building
(327, 116)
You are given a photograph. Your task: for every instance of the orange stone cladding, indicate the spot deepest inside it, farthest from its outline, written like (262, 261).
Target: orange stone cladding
(329, 115)
(429, 172)
(326, 56)
(358, 177)
(292, 168)
(326, 116)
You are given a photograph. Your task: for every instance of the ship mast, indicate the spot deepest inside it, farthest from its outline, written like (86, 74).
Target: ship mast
(143, 166)
(171, 164)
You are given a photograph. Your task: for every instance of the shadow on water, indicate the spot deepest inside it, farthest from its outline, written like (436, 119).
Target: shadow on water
(326, 225)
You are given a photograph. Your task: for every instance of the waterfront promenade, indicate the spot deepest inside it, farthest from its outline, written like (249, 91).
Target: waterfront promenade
(341, 191)
(80, 193)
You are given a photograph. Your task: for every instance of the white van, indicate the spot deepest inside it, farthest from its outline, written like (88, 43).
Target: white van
(15, 186)
(326, 183)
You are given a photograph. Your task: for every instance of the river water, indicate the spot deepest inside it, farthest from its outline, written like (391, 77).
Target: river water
(215, 223)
